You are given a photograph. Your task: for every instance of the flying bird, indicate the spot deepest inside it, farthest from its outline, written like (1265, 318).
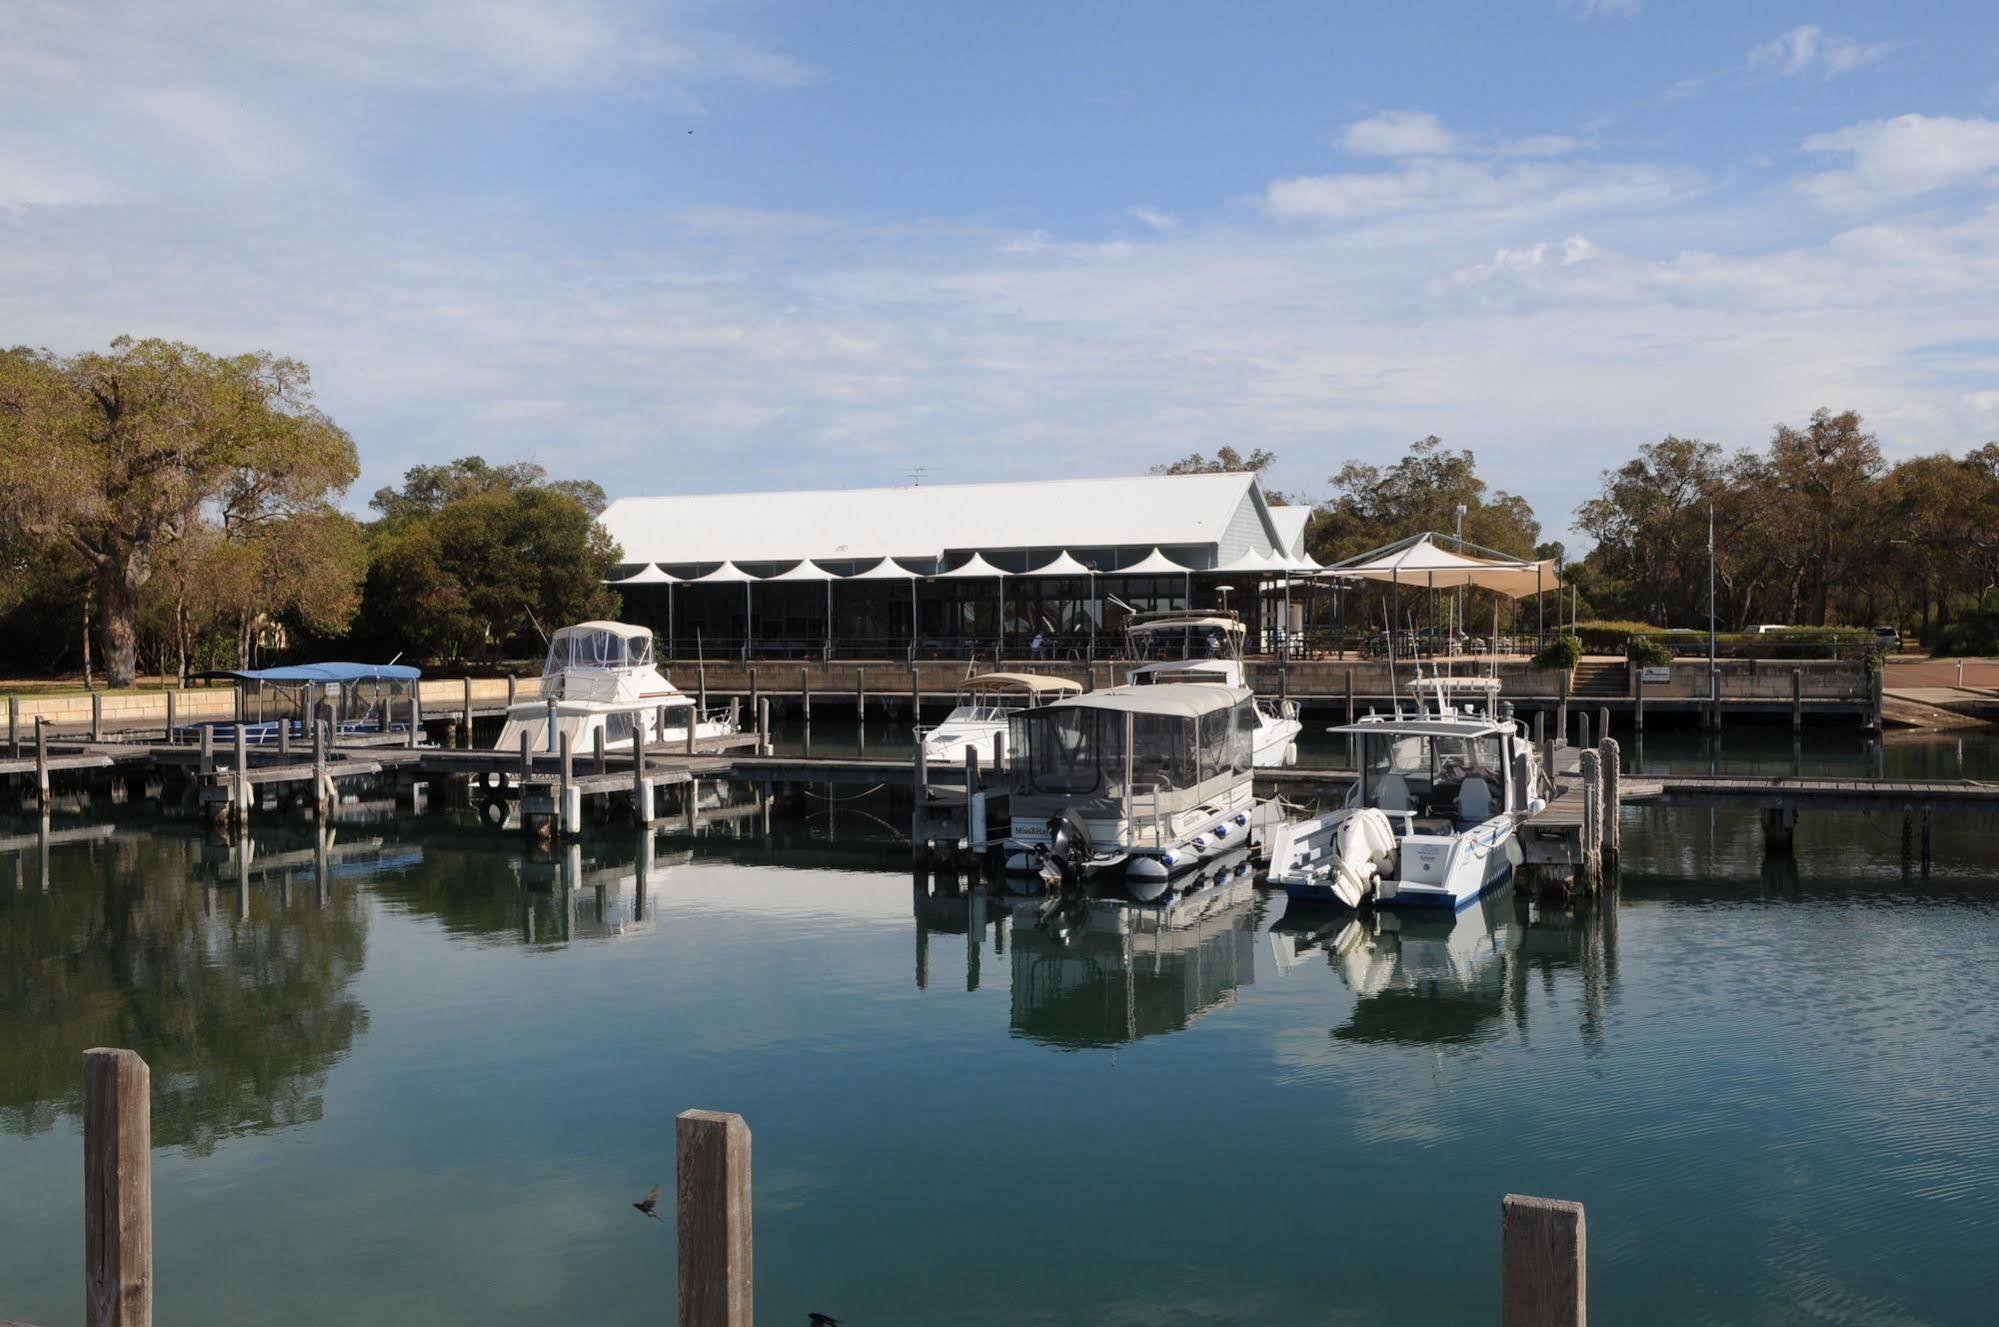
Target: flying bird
(650, 1201)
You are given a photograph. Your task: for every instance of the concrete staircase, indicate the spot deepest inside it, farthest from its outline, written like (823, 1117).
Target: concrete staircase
(1600, 679)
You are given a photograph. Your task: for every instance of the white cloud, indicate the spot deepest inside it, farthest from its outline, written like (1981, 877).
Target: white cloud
(1155, 218)
(1399, 134)
(1904, 157)
(1457, 186)
(1807, 48)
(1985, 403)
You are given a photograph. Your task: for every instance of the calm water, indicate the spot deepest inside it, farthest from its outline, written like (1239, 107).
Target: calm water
(419, 1088)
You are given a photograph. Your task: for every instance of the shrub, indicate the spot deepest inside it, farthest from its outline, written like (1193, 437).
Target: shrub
(1976, 632)
(1608, 637)
(1563, 652)
(1647, 653)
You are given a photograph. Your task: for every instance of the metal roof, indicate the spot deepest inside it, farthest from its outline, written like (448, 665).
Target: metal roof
(1290, 523)
(925, 521)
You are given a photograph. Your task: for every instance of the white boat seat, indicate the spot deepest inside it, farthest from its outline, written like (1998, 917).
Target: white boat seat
(1391, 793)
(1474, 800)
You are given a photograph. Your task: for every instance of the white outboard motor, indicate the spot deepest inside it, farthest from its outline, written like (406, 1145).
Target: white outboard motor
(1362, 846)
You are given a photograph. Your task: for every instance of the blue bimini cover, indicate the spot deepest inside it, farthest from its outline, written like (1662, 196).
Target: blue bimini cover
(330, 672)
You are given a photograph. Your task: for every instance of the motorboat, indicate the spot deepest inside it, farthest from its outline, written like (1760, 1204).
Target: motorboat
(1433, 818)
(1146, 782)
(985, 703)
(602, 677)
(1183, 647)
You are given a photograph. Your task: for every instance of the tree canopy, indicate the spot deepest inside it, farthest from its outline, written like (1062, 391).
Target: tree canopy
(1374, 505)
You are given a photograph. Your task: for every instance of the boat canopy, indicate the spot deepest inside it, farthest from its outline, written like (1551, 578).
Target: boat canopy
(324, 672)
(598, 645)
(1177, 744)
(1187, 700)
(1160, 623)
(1468, 726)
(1033, 682)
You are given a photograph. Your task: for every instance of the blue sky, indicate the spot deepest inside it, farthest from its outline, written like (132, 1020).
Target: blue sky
(703, 246)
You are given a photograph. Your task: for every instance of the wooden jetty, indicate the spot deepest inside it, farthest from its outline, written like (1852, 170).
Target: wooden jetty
(1543, 1250)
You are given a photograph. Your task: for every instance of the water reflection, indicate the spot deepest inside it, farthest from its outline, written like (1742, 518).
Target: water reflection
(1434, 979)
(240, 1006)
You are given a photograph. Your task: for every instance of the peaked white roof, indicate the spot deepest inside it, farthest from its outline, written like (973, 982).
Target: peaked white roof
(1290, 523)
(649, 574)
(885, 570)
(1419, 561)
(1154, 563)
(1250, 561)
(804, 571)
(1137, 511)
(1059, 565)
(976, 566)
(726, 574)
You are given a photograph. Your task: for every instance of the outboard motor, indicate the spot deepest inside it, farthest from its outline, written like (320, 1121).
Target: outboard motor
(1068, 850)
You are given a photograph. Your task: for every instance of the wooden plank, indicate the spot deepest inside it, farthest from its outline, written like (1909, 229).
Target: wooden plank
(117, 1189)
(1544, 1263)
(712, 1181)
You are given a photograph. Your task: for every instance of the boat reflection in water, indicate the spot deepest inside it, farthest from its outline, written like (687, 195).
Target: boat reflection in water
(1434, 978)
(1093, 972)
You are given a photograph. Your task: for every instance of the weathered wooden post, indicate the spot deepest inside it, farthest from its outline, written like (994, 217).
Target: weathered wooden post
(1602, 722)
(284, 735)
(565, 821)
(1562, 714)
(241, 776)
(1638, 701)
(763, 726)
(512, 686)
(173, 706)
(641, 788)
(319, 789)
(1589, 769)
(14, 726)
(603, 756)
(465, 712)
(999, 752)
(97, 716)
(553, 727)
(1613, 835)
(1582, 727)
(915, 698)
(527, 763)
(702, 687)
(208, 748)
(1797, 700)
(922, 773)
(693, 722)
(755, 695)
(1540, 728)
(860, 694)
(1350, 695)
(42, 762)
(735, 714)
(416, 714)
(1544, 1263)
(117, 1189)
(975, 807)
(712, 1186)
(805, 694)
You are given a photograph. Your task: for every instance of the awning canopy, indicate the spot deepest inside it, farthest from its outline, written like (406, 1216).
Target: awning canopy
(1034, 682)
(1060, 565)
(885, 570)
(1249, 561)
(807, 570)
(650, 574)
(726, 574)
(1154, 563)
(1187, 700)
(1418, 560)
(323, 672)
(976, 567)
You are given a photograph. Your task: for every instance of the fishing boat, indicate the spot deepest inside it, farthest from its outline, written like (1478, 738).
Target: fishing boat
(985, 704)
(1143, 782)
(1183, 647)
(1434, 818)
(602, 677)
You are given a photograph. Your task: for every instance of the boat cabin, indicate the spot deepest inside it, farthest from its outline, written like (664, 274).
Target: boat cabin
(993, 697)
(587, 661)
(1441, 774)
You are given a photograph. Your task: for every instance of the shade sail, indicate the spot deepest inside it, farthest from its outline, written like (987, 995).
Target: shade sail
(885, 570)
(977, 567)
(726, 574)
(1060, 565)
(807, 570)
(1248, 561)
(1154, 563)
(1419, 561)
(650, 574)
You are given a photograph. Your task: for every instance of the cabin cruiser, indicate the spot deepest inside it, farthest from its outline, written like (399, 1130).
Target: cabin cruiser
(985, 704)
(1432, 820)
(1142, 781)
(601, 676)
(1180, 647)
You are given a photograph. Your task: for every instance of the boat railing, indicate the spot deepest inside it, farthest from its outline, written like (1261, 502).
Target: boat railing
(1142, 814)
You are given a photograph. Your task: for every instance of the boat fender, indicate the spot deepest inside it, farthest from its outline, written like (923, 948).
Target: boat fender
(1241, 819)
(493, 811)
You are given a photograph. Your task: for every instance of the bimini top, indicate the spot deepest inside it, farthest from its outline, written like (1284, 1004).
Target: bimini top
(324, 672)
(1183, 700)
(1429, 725)
(1172, 620)
(623, 629)
(1019, 682)
(598, 645)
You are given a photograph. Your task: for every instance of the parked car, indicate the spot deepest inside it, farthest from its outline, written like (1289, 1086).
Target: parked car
(1888, 638)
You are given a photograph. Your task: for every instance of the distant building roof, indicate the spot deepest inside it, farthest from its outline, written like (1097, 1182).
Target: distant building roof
(1226, 512)
(1290, 523)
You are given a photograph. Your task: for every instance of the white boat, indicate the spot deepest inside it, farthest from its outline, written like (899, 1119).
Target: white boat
(1180, 646)
(985, 704)
(601, 676)
(1434, 818)
(1147, 782)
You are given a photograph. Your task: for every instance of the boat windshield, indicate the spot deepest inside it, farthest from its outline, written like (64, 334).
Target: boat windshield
(1460, 778)
(1192, 640)
(597, 647)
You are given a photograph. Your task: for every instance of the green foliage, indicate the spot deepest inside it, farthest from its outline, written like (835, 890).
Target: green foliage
(1422, 491)
(1563, 652)
(472, 560)
(1972, 633)
(1647, 652)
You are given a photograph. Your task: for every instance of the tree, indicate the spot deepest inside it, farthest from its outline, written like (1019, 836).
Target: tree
(469, 557)
(1228, 461)
(1650, 527)
(119, 455)
(1422, 491)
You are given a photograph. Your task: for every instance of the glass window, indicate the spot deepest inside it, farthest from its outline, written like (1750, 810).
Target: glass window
(1162, 750)
(1242, 747)
(1059, 749)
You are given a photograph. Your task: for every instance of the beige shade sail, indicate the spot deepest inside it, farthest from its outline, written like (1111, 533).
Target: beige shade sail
(1419, 561)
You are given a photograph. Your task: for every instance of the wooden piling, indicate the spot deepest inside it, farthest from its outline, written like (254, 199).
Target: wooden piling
(641, 789)
(1562, 715)
(512, 686)
(1638, 702)
(805, 695)
(284, 735)
(1582, 727)
(173, 698)
(999, 752)
(693, 722)
(42, 762)
(712, 1187)
(117, 1189)
(319, 781)
(1612, 840)
(763, 726)
(1544, 1263)
(565, 788)
(240, 804)
(860, 695)
(603, 757)
(1797, 700)
(1540, 728)
(550, 733)
(208, 748)
(97, 716)
(915, 697)
(1350, 714)
(465, 713)
(14, 727)
(416, 714)
(1590, 774)
(1602, 723)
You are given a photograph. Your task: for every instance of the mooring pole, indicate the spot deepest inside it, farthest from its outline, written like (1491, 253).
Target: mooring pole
(763, 726)
(564, 821)
(173, 704)
(1544, 1263)
(319, 798)
(208, 748)
(1589, 767)
(999, 752)
(1612, 840)
(603, 757)
(805, 694)
(551, 743)
(117, 1189)
(1797, 700)
(716, 1246)
(641, 790)
(1562, 715)
(465, 712)
(242, 779)
(416, 714)
(755, 695)
(97, 716)
(1638, 703)
(42, 763)
(14, 725)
